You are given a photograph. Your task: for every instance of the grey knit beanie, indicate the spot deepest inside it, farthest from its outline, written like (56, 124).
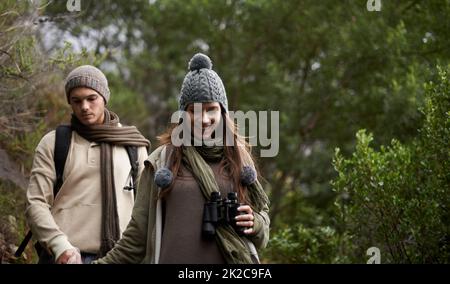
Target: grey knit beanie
(90, 77)
(201, 84)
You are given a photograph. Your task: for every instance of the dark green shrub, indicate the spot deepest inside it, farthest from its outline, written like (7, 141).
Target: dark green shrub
(397, 198)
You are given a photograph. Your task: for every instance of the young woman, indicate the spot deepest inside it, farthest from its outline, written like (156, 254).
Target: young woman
(197, 204)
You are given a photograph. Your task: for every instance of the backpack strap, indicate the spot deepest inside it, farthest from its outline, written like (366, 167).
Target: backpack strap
(63, 138)
(23, 244)
(62, 144)
(132, 152)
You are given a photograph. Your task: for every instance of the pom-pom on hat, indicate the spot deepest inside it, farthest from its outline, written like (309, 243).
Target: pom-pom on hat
(201, 84)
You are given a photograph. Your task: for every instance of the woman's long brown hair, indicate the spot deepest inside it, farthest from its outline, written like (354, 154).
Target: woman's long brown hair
(235, 156)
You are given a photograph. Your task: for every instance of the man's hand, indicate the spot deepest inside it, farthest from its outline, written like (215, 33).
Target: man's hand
(70, 256)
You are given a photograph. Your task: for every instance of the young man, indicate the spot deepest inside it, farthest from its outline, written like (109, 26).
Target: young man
(93, 206)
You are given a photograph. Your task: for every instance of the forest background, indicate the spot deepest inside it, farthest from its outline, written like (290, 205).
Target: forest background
(363, 169)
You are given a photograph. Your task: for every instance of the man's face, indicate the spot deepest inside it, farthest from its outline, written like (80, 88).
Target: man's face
(206, 116)
(87, 105)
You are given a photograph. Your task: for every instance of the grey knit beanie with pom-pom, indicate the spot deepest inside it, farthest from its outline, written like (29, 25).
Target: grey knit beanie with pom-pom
(201, 84)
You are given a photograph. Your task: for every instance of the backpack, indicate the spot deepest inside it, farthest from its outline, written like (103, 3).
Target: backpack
(63, 138)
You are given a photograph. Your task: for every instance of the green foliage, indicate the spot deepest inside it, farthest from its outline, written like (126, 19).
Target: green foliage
(12, 223)
(307, 245)
(23, 144)
(397, 198)
(66, 59)
(33, 100)
(129, 105)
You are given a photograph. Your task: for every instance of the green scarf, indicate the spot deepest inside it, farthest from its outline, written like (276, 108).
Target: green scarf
(230, 243)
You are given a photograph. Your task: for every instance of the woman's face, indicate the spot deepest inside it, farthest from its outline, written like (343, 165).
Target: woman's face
(205, 117)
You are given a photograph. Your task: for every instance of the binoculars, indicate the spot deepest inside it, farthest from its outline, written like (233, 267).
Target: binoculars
(220, 211)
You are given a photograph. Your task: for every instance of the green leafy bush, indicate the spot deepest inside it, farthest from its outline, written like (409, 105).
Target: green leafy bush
(321, 244)
(397, 198)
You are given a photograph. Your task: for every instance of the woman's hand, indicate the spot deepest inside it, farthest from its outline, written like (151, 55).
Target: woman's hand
(246, 220)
